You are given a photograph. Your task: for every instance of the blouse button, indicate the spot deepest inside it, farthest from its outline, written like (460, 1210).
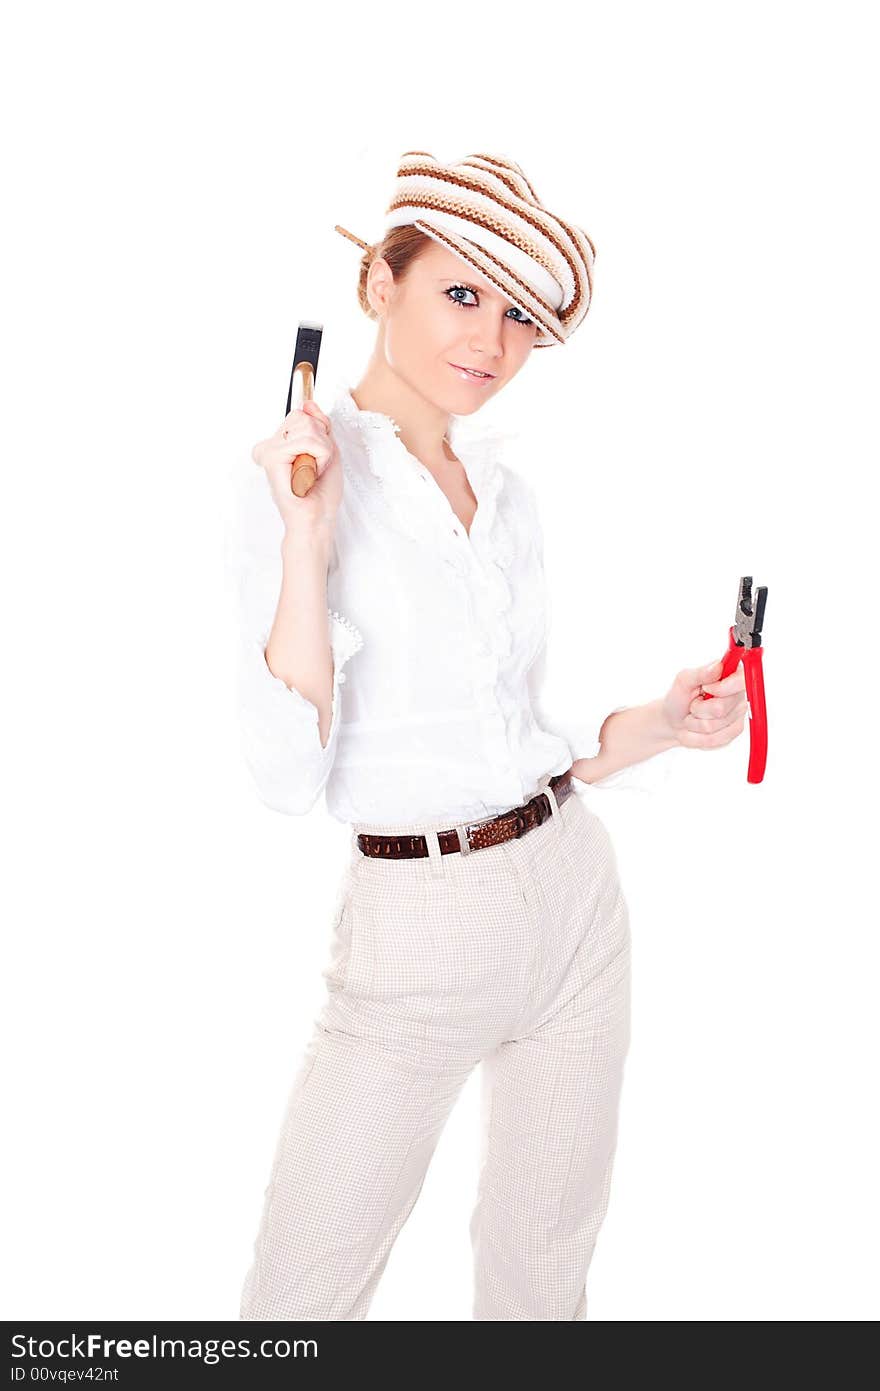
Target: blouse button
(341, 677)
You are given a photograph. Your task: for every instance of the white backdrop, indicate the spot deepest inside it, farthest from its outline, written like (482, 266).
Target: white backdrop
(173, 174)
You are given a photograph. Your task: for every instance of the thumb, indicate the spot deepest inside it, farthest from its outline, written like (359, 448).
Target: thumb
(701, 675)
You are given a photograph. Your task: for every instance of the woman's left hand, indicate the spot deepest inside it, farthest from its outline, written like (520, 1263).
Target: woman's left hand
(706, 724)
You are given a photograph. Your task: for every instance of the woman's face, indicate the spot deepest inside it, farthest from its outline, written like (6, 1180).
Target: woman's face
(444, 316)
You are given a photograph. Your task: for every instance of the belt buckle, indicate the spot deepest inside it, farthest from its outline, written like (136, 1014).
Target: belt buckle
(472, 826)
(519, 815)
(486, 821)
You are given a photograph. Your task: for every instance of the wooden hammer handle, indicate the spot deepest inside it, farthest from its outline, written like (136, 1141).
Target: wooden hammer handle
(304, 470)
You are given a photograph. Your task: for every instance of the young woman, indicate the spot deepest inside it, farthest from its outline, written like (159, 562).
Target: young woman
(481, 918)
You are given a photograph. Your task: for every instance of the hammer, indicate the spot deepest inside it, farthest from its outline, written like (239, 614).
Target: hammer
(302, 388)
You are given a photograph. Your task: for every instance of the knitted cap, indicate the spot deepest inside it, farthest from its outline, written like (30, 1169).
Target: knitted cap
(485, 211)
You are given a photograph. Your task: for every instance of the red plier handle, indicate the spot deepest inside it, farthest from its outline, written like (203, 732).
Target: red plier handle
(744, 646)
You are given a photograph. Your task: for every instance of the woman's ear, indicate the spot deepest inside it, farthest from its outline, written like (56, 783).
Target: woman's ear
(380, 283)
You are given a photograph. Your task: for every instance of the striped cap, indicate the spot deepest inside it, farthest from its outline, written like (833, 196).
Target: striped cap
(485, 211)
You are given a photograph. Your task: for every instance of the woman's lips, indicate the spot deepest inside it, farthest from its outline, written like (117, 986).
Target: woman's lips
(469, 376)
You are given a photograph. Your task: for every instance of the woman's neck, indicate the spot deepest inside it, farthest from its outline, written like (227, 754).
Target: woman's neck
(423, 427)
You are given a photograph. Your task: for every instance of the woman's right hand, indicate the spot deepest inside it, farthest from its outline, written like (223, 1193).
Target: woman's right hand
(303, 431)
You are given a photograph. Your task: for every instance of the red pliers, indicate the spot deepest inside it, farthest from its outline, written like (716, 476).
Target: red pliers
(745, 646)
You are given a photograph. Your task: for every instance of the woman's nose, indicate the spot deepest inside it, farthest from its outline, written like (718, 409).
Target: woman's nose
(488, 340)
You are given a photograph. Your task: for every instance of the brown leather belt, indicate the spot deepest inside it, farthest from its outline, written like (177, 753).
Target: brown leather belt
(509, 825)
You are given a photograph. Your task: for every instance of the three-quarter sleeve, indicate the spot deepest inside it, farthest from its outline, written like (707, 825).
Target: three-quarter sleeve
(567, 697)
(278, 726)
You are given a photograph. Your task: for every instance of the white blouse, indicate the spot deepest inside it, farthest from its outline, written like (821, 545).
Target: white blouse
(439, 643)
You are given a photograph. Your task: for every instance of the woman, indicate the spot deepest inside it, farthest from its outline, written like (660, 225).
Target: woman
(481, 918)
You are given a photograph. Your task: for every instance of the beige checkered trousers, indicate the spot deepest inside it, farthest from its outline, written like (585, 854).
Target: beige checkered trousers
(516, 956)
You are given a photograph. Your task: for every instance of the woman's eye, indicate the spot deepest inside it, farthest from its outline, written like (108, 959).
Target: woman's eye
(456, 290)
(459, 290)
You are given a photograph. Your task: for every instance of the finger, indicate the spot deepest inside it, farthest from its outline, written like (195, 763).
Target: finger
(694, 678)
(304, 427)
(314, 410)
(719, 708)
(282, 457)
(736, 681)
(312, 448)
(712, 739)
(308, 411)
(710, 724)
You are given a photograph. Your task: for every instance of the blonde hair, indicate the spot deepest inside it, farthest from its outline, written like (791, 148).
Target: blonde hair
(400, 247)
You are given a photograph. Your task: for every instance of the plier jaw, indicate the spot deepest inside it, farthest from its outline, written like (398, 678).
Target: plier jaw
(744, 645)
(749, 613)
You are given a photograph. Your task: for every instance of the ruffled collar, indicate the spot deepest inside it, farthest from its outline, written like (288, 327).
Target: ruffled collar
(418, 500)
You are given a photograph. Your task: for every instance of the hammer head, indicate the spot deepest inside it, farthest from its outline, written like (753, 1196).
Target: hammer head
(305, 364)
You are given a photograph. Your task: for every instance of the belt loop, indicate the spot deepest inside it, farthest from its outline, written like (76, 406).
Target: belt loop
(554, 805)
(438, 868)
